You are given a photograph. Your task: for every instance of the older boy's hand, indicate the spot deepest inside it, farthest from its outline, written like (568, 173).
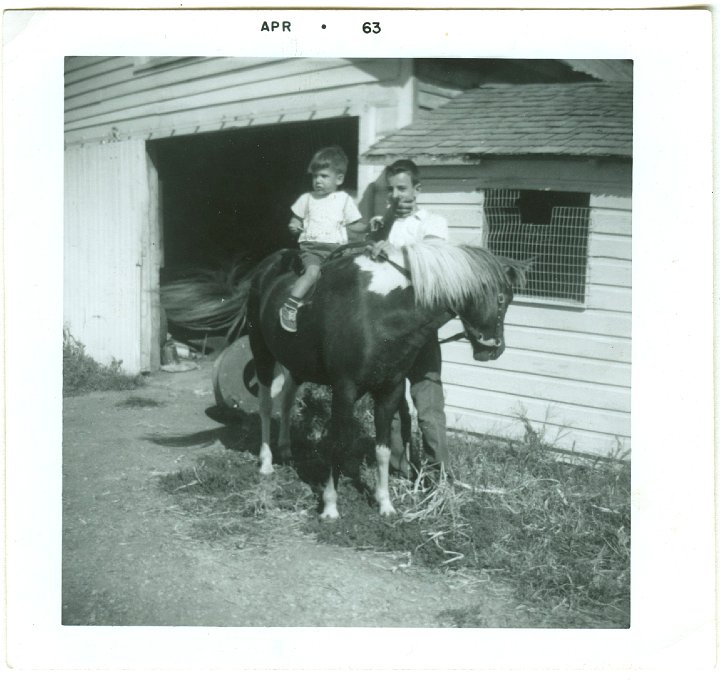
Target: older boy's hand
(376, 223)
(376, 249)
(404, 207)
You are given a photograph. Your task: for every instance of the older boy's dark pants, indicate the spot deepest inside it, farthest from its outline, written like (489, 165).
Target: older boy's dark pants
(427, 395)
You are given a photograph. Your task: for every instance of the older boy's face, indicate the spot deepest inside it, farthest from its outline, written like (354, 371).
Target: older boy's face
(326, 181)
(401, 190)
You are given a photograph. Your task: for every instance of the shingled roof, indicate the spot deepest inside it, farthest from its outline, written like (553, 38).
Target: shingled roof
(567, 119)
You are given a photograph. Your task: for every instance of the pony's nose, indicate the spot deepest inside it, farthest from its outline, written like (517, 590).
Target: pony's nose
(488, 349)
(490, 342)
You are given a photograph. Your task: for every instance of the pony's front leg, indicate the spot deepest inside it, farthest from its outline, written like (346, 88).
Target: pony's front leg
(386, 404)
(265, 397)
(330, 510)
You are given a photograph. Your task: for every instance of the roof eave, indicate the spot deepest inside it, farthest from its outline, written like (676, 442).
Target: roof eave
(476, 159)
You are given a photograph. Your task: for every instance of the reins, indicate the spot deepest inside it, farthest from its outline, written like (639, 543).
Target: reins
(362, 246)
(382, 256)
(454, 337)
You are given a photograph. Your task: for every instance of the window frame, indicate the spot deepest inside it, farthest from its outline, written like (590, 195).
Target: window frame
(568, 302)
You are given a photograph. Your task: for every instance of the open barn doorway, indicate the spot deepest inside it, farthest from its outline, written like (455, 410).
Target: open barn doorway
(228, 194)
(225, 197)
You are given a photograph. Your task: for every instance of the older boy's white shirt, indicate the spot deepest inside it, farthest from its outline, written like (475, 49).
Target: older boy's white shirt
(416, 227)
(325, 219)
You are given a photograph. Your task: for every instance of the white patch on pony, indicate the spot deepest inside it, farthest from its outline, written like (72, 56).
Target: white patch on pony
(330, 510)
(384, 278)
(278, 383)
(266, 466)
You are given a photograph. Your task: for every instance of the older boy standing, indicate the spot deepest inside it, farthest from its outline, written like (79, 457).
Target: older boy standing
(411, 225)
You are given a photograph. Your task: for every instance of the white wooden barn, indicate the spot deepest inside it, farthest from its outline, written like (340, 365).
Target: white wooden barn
(544, 171)
(179, 162)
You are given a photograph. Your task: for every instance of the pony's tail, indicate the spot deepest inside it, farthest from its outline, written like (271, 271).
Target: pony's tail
(210, 301)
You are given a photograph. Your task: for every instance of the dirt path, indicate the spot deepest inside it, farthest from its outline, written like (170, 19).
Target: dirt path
(132, 557)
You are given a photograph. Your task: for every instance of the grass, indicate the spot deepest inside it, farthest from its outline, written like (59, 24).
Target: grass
(82, 374)
(229, 498)
(557, 532)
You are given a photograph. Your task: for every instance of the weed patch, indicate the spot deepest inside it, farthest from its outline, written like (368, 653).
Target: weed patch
(559, 532)
(83, 374)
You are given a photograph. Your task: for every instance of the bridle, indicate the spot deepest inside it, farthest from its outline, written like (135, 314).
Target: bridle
(498, 324)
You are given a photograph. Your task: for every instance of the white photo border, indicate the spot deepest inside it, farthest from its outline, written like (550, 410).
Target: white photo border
(673, 572)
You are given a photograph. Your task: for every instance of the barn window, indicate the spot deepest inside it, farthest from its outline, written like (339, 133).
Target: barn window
(551, 228)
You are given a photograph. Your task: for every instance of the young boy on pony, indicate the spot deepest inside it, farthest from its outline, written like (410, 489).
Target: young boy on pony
(320, 219)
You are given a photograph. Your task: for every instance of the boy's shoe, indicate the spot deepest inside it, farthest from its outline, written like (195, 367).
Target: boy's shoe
(288, 315)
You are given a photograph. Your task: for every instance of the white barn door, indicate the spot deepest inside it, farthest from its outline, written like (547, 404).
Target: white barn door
(112, 251)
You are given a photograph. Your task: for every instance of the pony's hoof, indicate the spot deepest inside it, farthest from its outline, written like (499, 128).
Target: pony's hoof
(284, 454)
(267, 468)
(387, 510)
(331, 513)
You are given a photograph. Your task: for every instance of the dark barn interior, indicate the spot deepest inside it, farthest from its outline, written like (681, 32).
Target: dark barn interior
(229, 193)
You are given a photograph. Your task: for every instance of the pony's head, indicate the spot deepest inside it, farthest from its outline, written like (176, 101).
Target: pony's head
(471, 282)
(484, 319)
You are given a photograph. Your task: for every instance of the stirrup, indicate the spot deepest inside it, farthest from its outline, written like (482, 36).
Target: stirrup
(288, 315)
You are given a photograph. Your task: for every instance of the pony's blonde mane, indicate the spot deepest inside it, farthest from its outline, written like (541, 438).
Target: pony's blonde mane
(448, 275)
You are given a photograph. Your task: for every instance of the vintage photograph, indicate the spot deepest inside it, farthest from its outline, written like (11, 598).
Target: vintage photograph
(347, 341)
(351, 340)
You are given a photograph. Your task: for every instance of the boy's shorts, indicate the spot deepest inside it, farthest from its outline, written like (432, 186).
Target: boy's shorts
(314, 253)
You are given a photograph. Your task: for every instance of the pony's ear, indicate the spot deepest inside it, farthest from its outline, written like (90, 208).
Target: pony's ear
(517, 271)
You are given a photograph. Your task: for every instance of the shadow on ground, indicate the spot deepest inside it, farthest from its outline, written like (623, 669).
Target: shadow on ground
(241, 431)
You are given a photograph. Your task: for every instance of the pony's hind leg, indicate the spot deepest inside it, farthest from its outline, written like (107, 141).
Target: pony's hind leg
(268, 388)
(343, 400)
(266, 466)
(266, 396)
(289, 393)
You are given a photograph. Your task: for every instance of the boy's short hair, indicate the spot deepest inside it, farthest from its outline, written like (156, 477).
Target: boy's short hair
(404, 166)
(333, 158)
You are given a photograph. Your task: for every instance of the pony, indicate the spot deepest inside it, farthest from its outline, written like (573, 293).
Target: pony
(359, 332)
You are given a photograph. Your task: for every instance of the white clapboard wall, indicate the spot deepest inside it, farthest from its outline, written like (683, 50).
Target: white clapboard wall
(138, 97)
(111, 253)
(567, 369)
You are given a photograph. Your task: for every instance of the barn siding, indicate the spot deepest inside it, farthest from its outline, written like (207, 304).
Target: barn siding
(109, 277)
(566, 368)
(114, 104)
(112, 98)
